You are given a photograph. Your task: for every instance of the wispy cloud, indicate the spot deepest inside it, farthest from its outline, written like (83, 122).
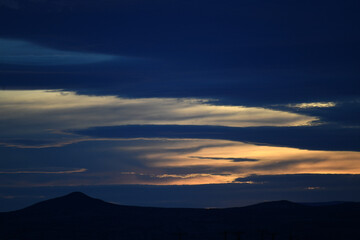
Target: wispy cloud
(230, 159)
(170, 162)
(313, 105)
(44, 172)
(21, 52)
(181, 179)
(172, 155)
(60, 110)
(49, 144)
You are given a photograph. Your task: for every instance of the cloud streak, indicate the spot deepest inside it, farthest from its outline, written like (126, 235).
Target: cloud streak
(313, 105)
(261, 160)
(81, 170)
(60, 110)
(230, 159)
(19, 52)
(166, 161)
(321, 137)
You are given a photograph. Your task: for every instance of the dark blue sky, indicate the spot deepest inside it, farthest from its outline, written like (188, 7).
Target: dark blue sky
(107, 94)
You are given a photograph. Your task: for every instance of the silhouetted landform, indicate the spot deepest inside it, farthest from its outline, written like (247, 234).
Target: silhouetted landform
(78, 216)
(324, 203)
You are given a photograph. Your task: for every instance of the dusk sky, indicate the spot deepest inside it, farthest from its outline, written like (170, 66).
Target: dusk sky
(191, 103)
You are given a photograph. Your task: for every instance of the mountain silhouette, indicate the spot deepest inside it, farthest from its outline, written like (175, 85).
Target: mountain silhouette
(78, 216)
(72, 204)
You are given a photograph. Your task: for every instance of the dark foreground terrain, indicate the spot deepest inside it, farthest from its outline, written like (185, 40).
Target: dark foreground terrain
(77, 216)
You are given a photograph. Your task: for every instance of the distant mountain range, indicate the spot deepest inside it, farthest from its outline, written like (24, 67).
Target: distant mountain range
(78, 216)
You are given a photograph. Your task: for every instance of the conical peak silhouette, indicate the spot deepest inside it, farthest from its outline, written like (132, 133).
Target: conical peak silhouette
(77, 195)
(73, 203)
(79, 198)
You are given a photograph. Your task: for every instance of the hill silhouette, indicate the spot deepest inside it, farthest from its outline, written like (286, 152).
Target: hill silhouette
(78, 216)
(72, 204)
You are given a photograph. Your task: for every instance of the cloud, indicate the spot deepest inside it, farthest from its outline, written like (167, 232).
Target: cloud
(230, 159)
(81, 170)
(164, 161)
(306, 181)
(313, 105)
(272, 159)
(59, 110)
(20, 52)
(170, 162)
(46, 143)
(321, 137)
(195, 63)
(240, 67)
(181, 179)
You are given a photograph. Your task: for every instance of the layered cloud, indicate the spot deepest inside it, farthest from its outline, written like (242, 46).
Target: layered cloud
(320, 137)
(35, 111)
(44, 171)
(217, 157)
(21, 52)
(287, 99)
(31, 121)
(164, 161)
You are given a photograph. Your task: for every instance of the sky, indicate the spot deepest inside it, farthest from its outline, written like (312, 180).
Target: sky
(168, 103)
